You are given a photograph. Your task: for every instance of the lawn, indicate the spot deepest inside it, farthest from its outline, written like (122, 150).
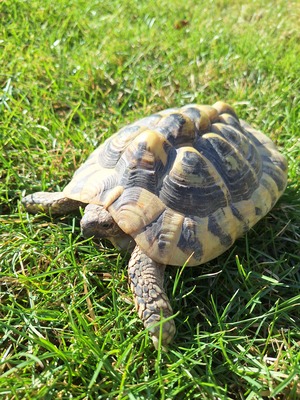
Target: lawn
(71, 74)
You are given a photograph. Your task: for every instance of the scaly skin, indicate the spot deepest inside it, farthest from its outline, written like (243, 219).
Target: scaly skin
(55, 203)
(146, 281)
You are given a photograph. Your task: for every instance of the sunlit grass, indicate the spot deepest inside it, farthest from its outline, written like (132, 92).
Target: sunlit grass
(71, 74)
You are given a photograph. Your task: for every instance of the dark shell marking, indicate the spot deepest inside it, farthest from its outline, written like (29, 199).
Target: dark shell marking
(192, 186)
(184, 183)
(189, 243)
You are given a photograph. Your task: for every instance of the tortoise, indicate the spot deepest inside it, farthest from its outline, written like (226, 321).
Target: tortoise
(177, 187)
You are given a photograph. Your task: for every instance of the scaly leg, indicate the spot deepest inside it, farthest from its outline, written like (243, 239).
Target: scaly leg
(146, 281)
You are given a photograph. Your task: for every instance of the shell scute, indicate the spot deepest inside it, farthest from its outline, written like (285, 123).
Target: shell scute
(146, 161)
(111, 151)
(177, 128)
(224, 108)
(200, 119)
(161, 236)
(193, 186)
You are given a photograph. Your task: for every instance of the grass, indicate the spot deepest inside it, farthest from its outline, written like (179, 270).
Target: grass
(71, 74)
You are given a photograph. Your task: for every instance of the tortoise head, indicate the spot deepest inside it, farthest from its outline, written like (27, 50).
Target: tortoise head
(98, 223)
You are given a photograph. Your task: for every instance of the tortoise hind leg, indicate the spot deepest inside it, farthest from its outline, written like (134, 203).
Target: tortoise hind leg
(51, 203)
(146, 281)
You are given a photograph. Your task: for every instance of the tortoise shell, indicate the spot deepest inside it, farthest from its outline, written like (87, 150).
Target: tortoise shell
(184, 182)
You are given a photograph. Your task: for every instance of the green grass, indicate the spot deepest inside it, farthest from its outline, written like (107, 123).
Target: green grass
(71, 74)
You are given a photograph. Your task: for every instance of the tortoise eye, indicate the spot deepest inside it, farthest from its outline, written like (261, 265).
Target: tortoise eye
(106, 225)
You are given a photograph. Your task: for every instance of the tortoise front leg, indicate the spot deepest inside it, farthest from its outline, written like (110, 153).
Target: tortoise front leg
(51, 203)
(146, 279)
